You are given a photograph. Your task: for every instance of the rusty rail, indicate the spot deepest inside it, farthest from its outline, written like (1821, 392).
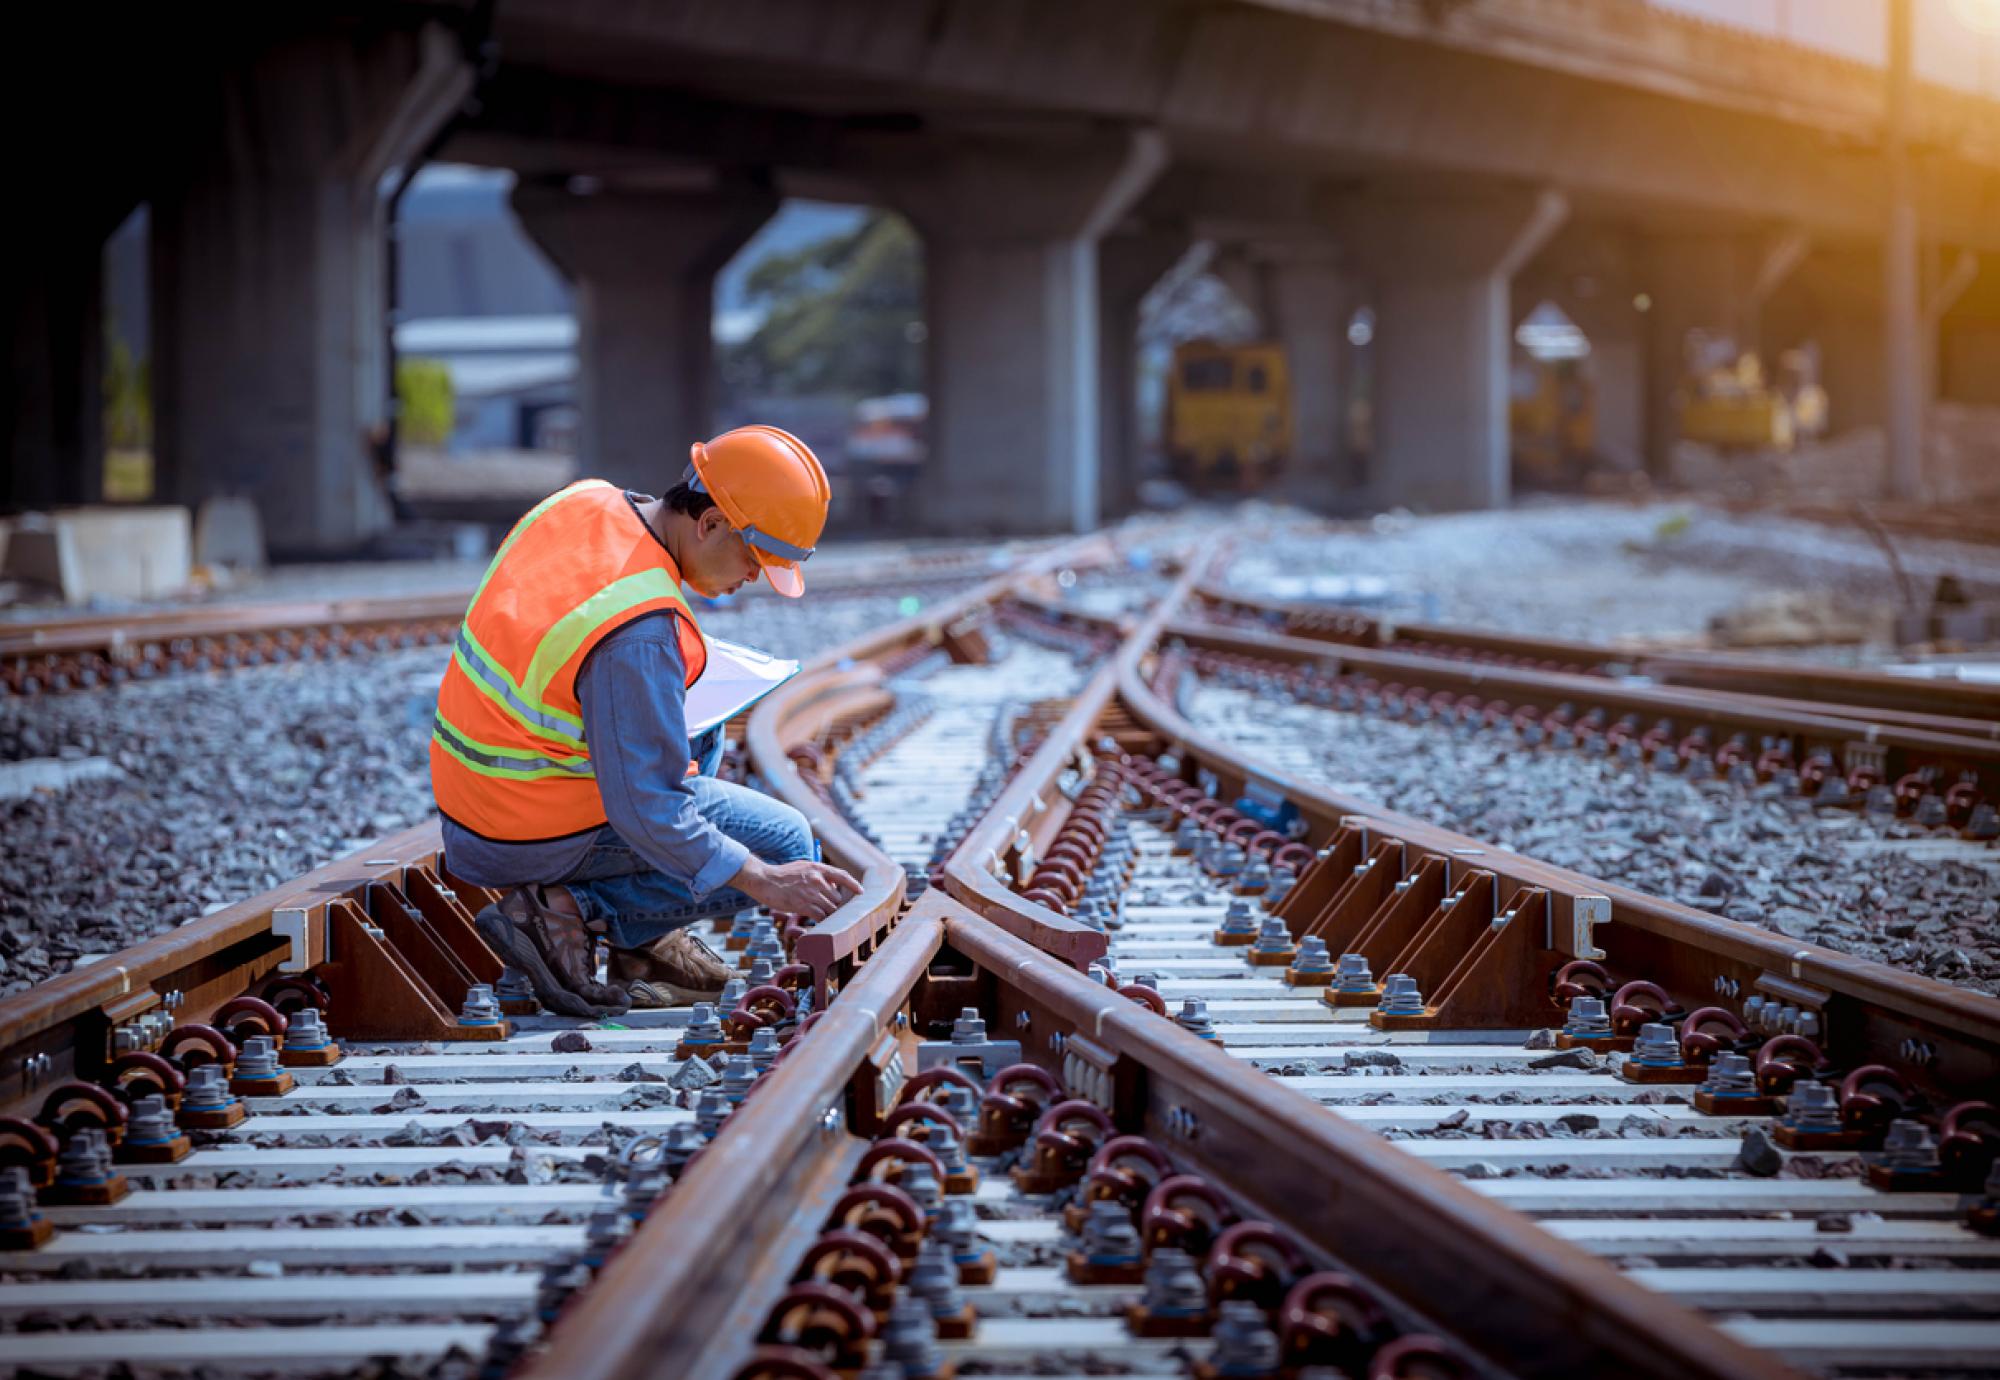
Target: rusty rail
(1868, 1006)
(1849, 739)
(1942, 705)
(1535, 1305)
(694, 1281)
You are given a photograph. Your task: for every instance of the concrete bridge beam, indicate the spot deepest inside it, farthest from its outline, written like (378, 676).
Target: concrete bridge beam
(643, 264)
(268, 288)
(1441, 270)
(1011, 237)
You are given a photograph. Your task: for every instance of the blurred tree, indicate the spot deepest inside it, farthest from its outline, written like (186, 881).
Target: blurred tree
(424, 412)
(128, 394)
(841, 315)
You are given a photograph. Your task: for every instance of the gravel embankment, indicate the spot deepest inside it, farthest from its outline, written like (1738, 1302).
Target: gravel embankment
(218, 787)
(1604, 572)
(1885, 890)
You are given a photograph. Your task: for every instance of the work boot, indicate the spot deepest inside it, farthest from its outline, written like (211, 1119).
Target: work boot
(554, 950)
(677, 970)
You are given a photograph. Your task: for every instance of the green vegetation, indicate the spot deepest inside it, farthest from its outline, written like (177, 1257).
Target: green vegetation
(423, 401)
(841, 315)
(128, 394)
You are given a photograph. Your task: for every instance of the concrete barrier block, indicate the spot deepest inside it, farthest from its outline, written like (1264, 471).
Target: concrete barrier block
(104, 553)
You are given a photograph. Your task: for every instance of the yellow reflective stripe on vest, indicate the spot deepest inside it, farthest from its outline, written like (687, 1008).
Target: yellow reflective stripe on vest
(560, 642)
(492, 680)
(488, 760)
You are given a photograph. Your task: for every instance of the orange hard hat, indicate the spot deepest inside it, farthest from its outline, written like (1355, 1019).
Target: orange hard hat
(770, 486)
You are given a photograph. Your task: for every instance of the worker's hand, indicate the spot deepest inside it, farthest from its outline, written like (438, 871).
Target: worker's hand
(812, 889)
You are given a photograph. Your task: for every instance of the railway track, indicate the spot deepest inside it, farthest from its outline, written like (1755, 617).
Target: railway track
(1027, 1105)
(58, 655)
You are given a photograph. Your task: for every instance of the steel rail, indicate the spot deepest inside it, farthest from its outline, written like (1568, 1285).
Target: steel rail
(1899, 749)
(1969, 701)
(69, 1018)
(696, 1278)
(1535, 1305)
(1870, 1007)
(1975, 706)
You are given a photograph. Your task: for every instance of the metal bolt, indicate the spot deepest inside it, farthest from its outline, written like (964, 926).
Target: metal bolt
(306, 1030)
(1908, 1146)
(1312, 956)
(969, 1028)
(1587, 1017)
(1353, 975)
(1813, 1106)
(1173, 1285)
(1193, 1018)
(1656, 1044)
(481, 1006)
(1400, 996)
(1109, 1238)
(151, 1123)
(1731, 1075)
(1244, 1341)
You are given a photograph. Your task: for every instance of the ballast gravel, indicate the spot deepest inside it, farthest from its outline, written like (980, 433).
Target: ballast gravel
(1888, 890)
(227, 784)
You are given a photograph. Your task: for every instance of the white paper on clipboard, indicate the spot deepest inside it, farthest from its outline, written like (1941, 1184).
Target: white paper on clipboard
(736, 678)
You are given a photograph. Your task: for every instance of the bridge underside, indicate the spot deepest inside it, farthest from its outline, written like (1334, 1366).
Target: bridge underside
(1056, 159)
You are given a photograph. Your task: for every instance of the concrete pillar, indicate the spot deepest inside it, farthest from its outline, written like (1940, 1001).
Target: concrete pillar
(268, 279)
(1441, 270)
(52, 397)
(1692, 282)
(644, 265)
(1617, 368)
(1903, 356)
(1010, 240)
(1128, 265)
(1310, 301)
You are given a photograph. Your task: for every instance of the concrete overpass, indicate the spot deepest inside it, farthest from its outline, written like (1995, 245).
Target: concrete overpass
(1056, 155)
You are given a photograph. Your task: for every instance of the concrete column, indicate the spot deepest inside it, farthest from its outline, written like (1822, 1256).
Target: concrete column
(1128, 265)
(1903, 356)
(1311, 300)
(1010, 239)
(644, 265)
(52, 397)
(1692, 282)
(268, 263)
(1441, 270)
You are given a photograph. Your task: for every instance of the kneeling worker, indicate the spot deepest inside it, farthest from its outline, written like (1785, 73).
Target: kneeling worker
(560, 755)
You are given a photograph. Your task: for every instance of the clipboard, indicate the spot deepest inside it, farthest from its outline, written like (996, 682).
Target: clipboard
(736, 678)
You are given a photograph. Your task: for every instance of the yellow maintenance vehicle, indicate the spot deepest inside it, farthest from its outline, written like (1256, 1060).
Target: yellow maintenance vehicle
(1229, 414)
(1731, 406)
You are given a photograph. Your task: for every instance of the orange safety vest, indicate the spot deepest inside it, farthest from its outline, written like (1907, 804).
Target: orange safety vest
(508, 758)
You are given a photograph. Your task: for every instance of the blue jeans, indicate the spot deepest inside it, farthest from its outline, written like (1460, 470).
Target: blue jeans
(639, 904)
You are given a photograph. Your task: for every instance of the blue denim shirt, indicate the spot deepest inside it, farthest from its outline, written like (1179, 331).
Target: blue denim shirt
(631, 688)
